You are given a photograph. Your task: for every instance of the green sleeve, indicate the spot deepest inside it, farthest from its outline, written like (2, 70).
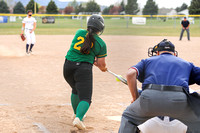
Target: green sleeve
(103, 51)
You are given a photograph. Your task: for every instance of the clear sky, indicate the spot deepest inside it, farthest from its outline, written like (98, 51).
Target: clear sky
(160, 3)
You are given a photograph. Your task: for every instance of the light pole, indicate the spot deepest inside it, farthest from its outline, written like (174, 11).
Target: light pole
(35, 8)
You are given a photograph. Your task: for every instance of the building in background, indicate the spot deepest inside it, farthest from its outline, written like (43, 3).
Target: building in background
(184, 12)
(166, 11)
(172, 12)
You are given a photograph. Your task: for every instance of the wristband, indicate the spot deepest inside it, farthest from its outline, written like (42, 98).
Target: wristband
(22, 28)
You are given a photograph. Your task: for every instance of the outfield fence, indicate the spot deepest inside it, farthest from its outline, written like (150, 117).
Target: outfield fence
(114, 23)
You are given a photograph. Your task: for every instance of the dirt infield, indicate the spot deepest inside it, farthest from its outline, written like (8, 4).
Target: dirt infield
(35, 98)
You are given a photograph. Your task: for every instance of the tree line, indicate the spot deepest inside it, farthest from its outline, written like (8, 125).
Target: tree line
(151, 8)
(51, 8)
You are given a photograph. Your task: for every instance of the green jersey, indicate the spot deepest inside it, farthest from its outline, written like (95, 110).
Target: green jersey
(99, 49)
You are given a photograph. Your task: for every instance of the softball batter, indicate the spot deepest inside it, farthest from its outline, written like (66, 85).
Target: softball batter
(87, 48)
(29, 26)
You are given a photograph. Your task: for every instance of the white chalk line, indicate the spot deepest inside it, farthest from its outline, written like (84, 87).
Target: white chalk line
(2, 104)
(66, 104)
(114, 118)
(41, 127)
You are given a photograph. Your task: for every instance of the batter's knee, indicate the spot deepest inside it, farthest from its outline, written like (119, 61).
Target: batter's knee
(74, 91)
(86, 100)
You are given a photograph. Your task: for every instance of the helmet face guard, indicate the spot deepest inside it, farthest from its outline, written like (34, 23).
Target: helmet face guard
(164, 45)
(176, 53)
(101, 32)
(151, 52)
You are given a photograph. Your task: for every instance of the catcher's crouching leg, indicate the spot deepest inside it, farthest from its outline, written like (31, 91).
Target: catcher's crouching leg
(127, 126)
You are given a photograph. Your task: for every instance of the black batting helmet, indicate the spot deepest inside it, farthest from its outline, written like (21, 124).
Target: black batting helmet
(97, 22)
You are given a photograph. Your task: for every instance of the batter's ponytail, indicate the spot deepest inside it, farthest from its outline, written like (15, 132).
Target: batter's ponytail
(89, 41)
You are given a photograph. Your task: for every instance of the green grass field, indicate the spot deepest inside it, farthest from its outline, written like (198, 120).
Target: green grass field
(67, 26)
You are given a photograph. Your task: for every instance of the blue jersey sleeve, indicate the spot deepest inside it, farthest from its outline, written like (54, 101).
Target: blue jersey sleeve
(195, 75)
(140, 68)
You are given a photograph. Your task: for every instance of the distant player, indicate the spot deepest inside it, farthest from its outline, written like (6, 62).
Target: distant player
(87, 48)
(185, 26)
(29, 26)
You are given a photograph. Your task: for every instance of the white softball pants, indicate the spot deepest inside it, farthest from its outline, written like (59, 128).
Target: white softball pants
(30, 37)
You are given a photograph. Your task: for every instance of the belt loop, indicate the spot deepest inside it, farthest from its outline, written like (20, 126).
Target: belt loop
(162, 88)
(150, 86)
(78, 63)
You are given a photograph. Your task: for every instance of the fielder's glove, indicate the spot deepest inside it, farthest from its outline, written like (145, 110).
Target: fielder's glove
(22, 37)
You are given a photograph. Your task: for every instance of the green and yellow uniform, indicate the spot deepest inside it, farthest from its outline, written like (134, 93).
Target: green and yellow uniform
(78, 70)
(98, 50)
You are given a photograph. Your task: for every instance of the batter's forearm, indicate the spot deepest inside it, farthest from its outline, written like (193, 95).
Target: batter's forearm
(102, 67)
(101, 64)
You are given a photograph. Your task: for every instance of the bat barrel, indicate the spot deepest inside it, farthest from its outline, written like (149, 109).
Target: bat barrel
(117, 76)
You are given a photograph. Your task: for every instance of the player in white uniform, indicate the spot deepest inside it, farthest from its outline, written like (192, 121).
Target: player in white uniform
(28, 26)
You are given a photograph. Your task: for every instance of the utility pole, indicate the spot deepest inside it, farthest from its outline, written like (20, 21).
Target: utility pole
(35, 7)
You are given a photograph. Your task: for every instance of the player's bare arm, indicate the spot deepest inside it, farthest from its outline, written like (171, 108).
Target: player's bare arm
(101, 64)
(34, 27)
(23, 26)
(132, 83)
